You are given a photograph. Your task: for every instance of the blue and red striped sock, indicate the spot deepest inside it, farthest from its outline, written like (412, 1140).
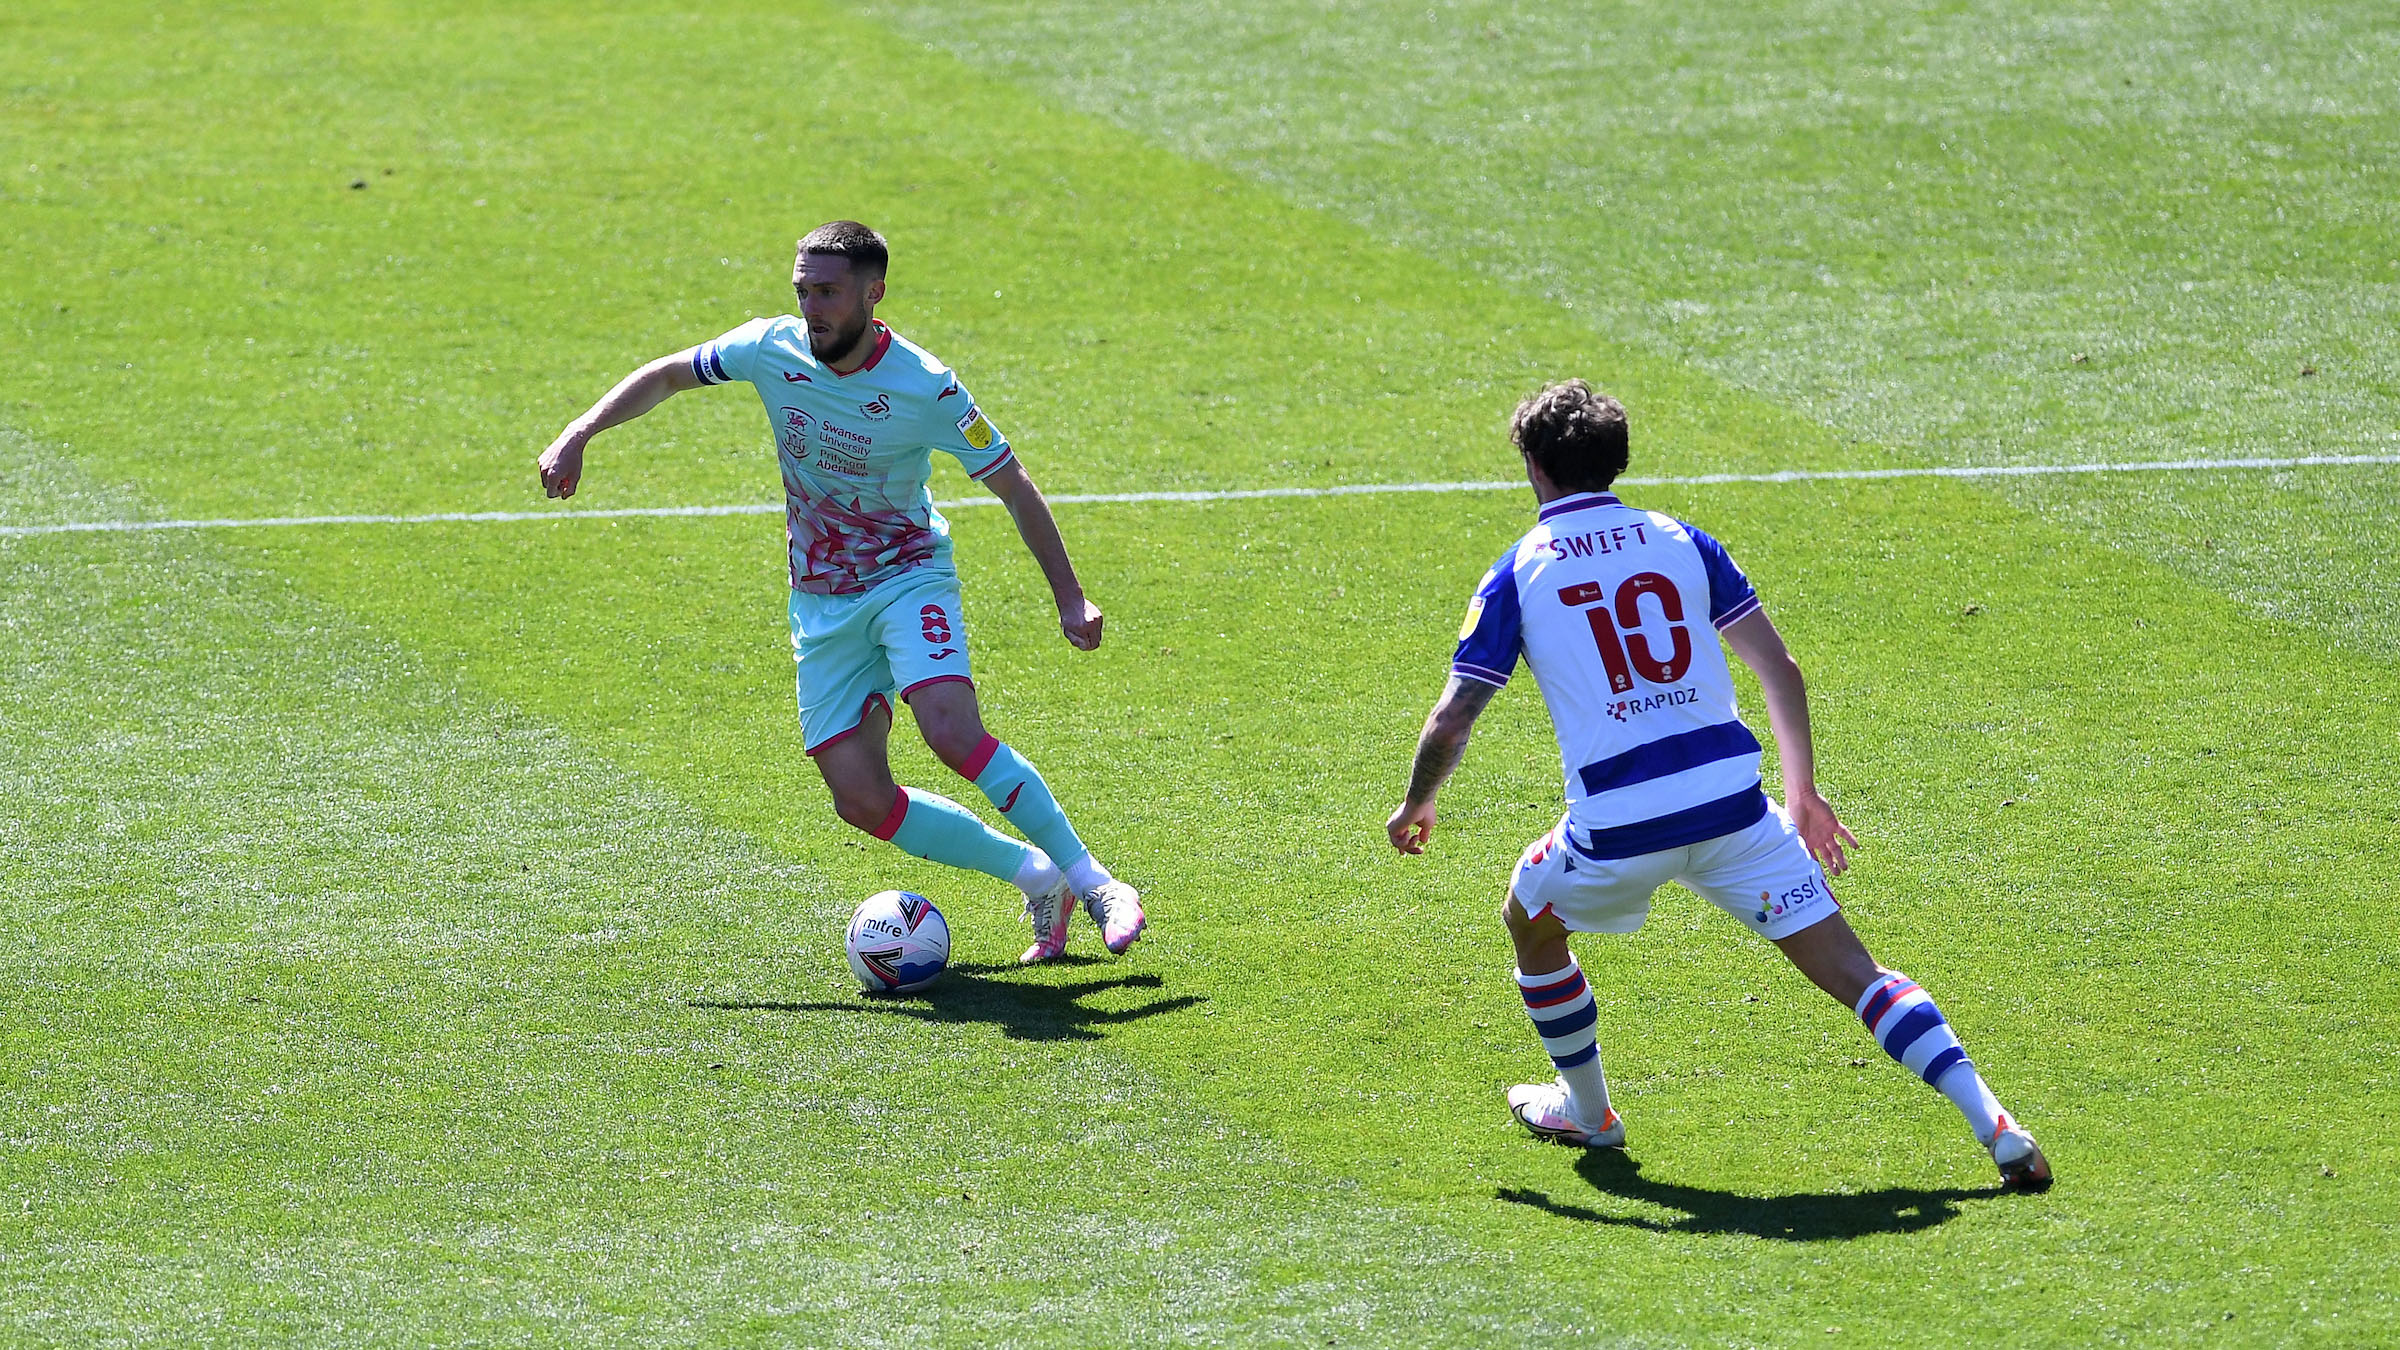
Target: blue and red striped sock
(1910, 1029)
(1564, 1016)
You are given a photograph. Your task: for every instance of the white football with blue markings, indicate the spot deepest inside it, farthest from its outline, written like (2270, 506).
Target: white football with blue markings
(897, 943)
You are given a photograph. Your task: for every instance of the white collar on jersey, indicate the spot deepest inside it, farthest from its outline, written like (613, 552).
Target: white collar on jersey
(1576, 501)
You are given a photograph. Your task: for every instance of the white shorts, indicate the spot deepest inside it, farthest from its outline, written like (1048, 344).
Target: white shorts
(1761, 875)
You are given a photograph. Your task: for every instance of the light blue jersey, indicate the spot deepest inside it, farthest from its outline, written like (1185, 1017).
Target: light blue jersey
(856, 449)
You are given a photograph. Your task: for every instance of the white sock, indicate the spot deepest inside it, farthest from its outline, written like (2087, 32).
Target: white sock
(1965, 1089)
(1085, 875)
(1036, 874)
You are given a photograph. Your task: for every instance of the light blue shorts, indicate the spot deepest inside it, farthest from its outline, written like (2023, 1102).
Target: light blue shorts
(854, 651)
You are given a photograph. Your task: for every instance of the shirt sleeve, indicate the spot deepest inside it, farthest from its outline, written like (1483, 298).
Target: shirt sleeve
(731, 357)
(1493, 637)
(959, 429)
(1730, 597)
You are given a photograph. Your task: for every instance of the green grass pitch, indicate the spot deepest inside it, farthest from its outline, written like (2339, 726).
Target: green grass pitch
(428, 935)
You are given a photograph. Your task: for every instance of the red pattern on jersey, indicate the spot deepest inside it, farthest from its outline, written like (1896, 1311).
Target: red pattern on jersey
(840, 548)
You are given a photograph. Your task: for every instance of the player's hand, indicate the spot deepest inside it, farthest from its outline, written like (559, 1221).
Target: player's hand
(1079, 619)
(561, 465)
(1410, 826)
(1821, 830)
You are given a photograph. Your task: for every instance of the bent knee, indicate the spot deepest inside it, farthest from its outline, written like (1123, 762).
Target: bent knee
(1513, 914)
(959, 752)
(965, 749)
(866, 809)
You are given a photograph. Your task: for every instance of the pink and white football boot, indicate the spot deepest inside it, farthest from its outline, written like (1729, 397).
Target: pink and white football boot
(1049, 910)
(1116, 909)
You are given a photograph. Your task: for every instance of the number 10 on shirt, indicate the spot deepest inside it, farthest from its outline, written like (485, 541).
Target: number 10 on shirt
(1624, 655)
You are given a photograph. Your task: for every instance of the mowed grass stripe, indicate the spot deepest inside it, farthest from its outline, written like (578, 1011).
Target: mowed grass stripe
(2040, 791)
(348, 1006)
(2001, 233)
(1251, 731)
(1998, 231)
(410, 350)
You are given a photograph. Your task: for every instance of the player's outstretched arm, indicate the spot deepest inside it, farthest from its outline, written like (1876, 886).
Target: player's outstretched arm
(1440, 746)
(1754, 639)
(561, 466)
(1078, 617)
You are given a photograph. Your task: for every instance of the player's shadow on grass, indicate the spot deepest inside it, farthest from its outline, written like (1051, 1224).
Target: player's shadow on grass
(1024, 1009)
(1822, 1217)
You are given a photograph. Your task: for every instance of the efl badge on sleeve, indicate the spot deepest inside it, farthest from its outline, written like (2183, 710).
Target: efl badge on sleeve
(977, 431)
(1474, 615)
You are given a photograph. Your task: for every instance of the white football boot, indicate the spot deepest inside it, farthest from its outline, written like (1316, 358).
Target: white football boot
(2022, 1166)
(1049, 910)
(1116, 910)
(1543, 1108)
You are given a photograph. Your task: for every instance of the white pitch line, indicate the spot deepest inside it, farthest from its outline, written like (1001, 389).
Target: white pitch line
(1233, 495)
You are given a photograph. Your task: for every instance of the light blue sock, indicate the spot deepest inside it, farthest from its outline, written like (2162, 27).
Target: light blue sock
(940, 830)
(1019, 793)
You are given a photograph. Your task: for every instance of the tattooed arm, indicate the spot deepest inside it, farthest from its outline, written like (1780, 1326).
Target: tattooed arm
(1439, 748)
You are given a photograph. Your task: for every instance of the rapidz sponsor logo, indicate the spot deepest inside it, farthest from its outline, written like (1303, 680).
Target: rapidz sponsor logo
(1625, 708)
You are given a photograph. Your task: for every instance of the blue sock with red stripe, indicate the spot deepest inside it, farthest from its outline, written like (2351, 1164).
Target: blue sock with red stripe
(1910, 1029)
(1565, 1017)
(1018, 793)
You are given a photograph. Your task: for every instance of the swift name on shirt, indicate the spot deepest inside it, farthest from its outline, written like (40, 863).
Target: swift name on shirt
(1594, 543)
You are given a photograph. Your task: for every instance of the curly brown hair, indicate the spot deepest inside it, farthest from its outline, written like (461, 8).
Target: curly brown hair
(1575, 433)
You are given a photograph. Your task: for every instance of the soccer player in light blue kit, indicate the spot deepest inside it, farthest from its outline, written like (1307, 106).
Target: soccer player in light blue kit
(1605, 602)
(857, 412)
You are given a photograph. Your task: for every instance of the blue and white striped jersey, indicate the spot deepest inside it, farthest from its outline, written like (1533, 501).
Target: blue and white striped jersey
(1604, 602)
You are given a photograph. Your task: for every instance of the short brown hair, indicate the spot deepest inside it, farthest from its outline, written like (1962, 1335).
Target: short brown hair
(1575, 433)
(848, 239)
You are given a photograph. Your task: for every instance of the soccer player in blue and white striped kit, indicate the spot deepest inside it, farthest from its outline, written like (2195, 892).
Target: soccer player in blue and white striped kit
(1605, 602)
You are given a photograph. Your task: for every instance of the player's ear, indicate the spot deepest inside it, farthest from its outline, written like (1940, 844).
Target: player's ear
(875, 292)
